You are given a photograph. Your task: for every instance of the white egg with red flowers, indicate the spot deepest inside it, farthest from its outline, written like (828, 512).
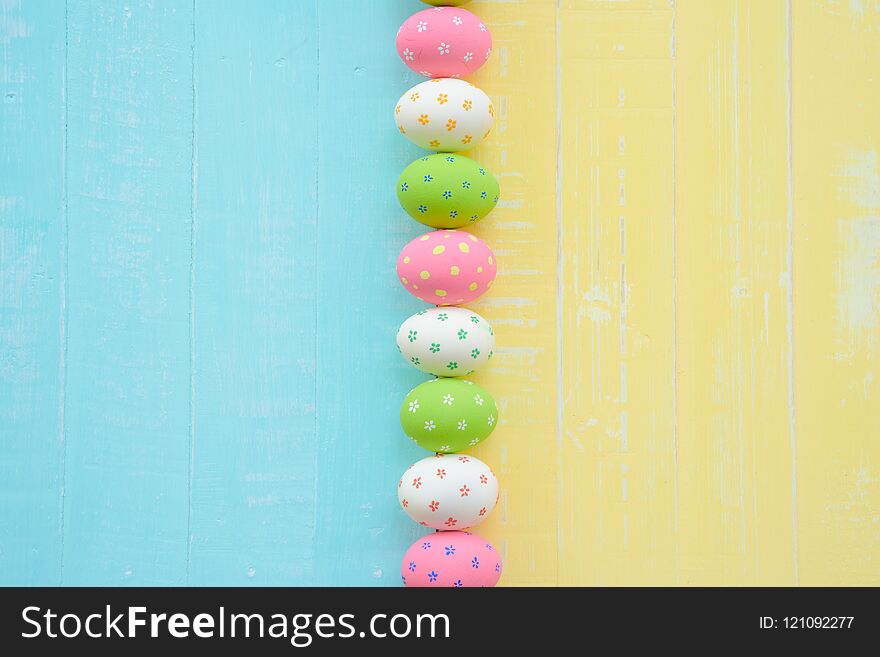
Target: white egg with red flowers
(448, 491)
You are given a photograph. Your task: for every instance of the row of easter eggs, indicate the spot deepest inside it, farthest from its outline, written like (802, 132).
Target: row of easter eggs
(447, 492)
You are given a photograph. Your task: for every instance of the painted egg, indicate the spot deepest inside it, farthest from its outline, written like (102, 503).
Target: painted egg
(447, 190)
(446, 3)
(445, 114)
(446, 267)
(451, 559)
(448, 415)
(448, 491)
(444, 43)
(446, 341)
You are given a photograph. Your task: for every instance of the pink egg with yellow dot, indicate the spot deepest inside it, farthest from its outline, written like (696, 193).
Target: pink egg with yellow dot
(446, 267)
(445, 42)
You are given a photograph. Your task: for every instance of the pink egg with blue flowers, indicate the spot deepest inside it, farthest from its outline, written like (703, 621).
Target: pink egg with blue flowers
(446, 267)
(451, 560)
(444, 42)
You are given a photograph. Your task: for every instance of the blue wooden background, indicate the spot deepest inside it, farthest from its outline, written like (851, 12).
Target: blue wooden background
(198, 377)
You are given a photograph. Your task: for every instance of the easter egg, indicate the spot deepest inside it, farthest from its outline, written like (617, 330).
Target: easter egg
(445, 114)
(446, 341)
(448, 415)
(451, 559)
(448, 491)
(446, 3)
(446, 267)
(446, 190)
(444, 43)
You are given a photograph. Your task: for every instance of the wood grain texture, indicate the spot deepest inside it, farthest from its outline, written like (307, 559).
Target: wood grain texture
(129, 189)
(32, 296)
(254, 294)
(836, 191)
(734, 440)
(198, 231)
(617, 503)
(360, 529)
(521, 305)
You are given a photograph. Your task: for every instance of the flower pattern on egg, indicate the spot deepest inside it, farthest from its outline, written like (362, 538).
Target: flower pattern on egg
(447, 419)
(465, 112)
(444, 191)
(456, 486)
(441, 42)
(459, 559)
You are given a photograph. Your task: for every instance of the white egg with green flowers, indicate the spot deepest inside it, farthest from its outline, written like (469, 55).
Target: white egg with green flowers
(446, 341)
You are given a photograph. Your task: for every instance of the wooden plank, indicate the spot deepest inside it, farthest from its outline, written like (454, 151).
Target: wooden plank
(32, 318)
(254, 294)
(521, 152)
(617, 460)
(836, 191)
(128, 385)
(733, 344)
(361, 533)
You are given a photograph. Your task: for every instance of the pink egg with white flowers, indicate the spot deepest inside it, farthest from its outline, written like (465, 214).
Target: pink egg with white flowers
(444, 42)
(452, 560)
(446, 267)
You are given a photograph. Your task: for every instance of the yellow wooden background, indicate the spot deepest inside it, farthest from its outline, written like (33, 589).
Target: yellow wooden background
(688, 304)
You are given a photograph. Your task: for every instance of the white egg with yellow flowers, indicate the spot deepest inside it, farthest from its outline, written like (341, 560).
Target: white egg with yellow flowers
(445, 114)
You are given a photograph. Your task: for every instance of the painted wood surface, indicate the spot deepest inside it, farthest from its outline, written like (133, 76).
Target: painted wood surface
(836, 234)
(33, 322)
(198, 229)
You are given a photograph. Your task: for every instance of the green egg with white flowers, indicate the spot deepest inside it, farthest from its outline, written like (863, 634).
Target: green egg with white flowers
(448, 415)
(447, 190)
